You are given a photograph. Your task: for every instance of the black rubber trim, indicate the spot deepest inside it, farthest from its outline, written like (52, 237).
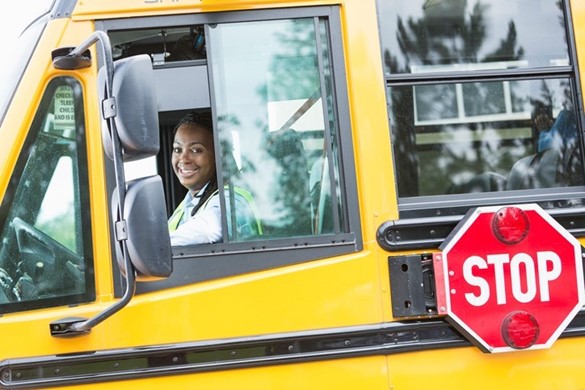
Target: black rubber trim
(430, 232)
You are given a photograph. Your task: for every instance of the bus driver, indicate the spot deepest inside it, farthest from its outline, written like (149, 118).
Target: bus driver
(197, 219)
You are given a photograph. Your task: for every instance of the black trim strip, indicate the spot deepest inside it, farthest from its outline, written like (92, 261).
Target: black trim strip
(430, 232)
(215, 355)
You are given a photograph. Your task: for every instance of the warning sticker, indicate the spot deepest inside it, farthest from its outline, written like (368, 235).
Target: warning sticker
(64, 108)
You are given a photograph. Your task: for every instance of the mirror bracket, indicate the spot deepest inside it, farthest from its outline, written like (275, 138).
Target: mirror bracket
(121, 230)
(109, 108)
(76, 327)
(67, 327)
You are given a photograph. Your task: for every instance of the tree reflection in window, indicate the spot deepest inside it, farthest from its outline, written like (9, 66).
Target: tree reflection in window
(277, 124)
(448, 133)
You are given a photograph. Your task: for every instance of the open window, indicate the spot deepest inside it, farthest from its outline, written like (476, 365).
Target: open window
(273, 83)
(46, 252)
(485, 109)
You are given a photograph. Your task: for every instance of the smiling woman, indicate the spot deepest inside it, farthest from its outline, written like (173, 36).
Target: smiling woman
(197, 220)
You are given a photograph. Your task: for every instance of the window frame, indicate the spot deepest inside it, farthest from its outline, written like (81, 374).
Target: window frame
(209, 261)
(425, 221)
(80, 173)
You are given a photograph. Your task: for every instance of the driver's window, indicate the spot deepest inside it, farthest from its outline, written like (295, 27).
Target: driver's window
(45, 257)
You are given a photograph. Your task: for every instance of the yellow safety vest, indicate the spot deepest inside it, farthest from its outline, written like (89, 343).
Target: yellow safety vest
(175, 219)
(177, 216)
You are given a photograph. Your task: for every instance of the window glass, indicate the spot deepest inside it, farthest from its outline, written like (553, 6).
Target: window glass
(57, 215)
(482, 97)
(485, 136)
(45, 258)
(276, 127)
(421, 36)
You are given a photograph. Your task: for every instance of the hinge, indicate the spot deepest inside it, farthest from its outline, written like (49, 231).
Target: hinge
(121, 230)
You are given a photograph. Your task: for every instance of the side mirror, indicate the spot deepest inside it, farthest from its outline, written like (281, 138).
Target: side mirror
(148, 240)
(128, 104)
(136, 108)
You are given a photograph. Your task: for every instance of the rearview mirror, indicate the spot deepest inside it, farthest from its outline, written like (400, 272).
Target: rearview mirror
(148, 240)
(136, 114)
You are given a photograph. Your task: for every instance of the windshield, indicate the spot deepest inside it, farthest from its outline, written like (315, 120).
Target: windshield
(18, 37)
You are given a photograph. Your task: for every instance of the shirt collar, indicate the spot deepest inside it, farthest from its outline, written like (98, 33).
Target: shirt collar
(194, 199)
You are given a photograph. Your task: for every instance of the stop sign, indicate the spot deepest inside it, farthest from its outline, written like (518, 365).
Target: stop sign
(509, 278)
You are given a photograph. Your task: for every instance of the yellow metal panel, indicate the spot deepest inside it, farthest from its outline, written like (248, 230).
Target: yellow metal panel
(369, 116)
(371, 134)
(315, 295)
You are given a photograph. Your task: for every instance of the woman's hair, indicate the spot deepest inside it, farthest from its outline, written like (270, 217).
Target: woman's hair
(195, 118)
(202, 120)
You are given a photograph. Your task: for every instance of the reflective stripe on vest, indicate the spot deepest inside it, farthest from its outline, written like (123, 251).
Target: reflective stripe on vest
(175, 219)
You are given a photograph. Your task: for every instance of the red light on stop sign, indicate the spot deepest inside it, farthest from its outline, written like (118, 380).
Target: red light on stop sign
(510, 225)
(520, 330)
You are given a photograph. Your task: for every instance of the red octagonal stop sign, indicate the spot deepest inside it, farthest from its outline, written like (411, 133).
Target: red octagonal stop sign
(509, 287)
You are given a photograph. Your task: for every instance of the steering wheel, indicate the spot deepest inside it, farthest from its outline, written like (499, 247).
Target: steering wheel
(48, 268)
(6, 285)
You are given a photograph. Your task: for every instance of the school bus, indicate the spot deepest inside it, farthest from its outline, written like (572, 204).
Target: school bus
(372, 137)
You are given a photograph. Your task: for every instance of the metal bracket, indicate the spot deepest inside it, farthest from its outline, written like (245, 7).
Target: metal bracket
(65, 327)
(121, 230)
(109, 107)
(78, 326)
(412, 286)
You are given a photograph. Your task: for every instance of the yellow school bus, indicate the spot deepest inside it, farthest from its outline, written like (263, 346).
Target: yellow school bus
(414, 170)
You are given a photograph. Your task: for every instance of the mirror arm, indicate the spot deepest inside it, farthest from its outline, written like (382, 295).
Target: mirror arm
(68, 327)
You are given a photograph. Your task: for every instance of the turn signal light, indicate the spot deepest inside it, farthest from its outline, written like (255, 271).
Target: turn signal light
(510, 225)
(520, 330)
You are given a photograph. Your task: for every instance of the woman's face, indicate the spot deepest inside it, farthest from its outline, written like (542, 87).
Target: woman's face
(193, 156)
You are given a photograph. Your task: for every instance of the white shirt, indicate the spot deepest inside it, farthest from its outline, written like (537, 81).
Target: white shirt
(202, 228)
